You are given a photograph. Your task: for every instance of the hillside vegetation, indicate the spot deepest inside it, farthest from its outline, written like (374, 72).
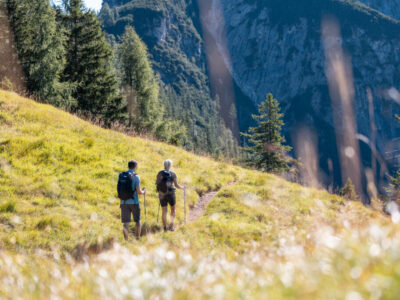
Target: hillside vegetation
(261, 237)
(171, 31)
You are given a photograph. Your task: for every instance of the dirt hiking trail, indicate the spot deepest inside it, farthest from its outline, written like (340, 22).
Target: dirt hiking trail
(201, 205)
(198, 209)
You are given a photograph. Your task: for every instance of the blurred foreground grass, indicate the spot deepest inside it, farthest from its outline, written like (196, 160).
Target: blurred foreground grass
(260, 238)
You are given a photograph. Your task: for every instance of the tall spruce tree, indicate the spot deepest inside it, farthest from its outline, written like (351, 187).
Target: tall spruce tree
(139, 83)
(89, 64)
(40, 50)
(266, 151)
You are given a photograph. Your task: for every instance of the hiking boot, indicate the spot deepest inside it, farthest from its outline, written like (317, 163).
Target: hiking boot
(165, 229)
(171, 227)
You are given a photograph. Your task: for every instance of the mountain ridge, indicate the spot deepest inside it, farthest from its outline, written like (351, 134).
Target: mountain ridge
(277, 47)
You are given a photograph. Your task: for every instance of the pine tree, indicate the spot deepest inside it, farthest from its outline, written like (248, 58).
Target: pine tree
(140, 84)
(40, 50)
(266, 151)
(89, 64)
(349, 191)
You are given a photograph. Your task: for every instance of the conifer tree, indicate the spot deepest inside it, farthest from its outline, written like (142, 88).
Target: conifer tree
(266, 151)
(40, 50)
(140, 84)
(349, 191)
(89, 64)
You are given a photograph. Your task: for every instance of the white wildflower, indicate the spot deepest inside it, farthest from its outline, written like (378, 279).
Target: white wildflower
(137, 294)
(346, 224)
(287, 272)
(219, 291)
(93, 217)
(56, 255)
(354, 296)
(331, 241)
(325, 266)
(356, 272)
(215, 216)
(170, 255)
(16, 220)
(374, 250)
(187, 258)
(103, 273)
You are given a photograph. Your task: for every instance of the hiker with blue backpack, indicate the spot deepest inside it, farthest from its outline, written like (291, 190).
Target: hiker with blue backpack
(166, 183)
(128, 191)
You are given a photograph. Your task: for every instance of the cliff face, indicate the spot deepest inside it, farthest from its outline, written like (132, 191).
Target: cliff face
(280, 50)
(274, 46)
(166, 29)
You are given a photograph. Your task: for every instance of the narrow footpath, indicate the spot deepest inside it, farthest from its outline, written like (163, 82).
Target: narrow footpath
(199, 208)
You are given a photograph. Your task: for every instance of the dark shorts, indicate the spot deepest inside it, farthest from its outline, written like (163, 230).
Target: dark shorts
(130, 209)
(167, 199)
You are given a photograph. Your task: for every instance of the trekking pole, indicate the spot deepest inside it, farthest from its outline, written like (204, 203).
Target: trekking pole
(158, 211)
(184, 201)
(145, 213)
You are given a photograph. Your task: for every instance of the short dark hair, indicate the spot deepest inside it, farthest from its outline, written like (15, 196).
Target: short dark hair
(132, 164)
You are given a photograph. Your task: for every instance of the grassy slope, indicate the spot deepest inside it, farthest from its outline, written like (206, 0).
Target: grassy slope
(261, 236)
(60, 173)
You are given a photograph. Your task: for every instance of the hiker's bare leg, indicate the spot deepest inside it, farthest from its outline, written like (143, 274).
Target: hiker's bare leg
(172, 216)
(125, 231)
(164, 215)
(138, 229)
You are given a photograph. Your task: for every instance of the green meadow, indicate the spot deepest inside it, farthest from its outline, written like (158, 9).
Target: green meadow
(261, 237)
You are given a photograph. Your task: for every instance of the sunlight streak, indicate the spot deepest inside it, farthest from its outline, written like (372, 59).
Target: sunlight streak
(341, 88)
(219, 61)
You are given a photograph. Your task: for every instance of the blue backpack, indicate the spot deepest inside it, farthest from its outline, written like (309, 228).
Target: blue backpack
(124, 187)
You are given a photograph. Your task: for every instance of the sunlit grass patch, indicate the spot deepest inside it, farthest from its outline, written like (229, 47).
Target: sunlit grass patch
(261, 237)
(56, 162)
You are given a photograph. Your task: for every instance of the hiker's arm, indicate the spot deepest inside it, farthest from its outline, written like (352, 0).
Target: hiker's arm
(140, 191)
(178, 185)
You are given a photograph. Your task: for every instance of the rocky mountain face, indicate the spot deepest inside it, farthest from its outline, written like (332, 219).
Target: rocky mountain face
(277, 46)
(172, 33)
